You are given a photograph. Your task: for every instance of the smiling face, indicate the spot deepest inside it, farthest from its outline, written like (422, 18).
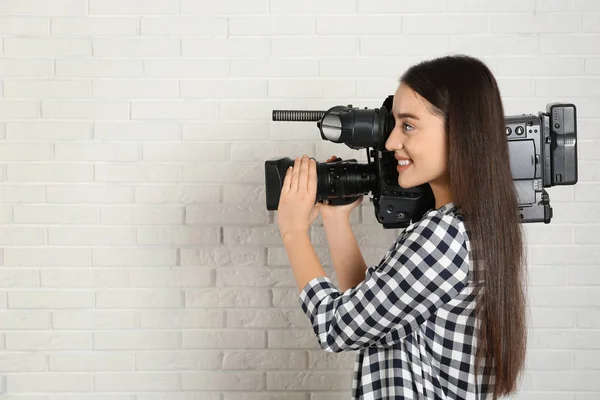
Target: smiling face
(419, 134)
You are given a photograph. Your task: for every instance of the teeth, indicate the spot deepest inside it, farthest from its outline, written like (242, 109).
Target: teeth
(404, 162)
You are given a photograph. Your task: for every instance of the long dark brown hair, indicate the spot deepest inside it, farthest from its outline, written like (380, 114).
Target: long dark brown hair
(463, 91)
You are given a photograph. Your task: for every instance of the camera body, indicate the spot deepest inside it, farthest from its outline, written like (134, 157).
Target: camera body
(542, 151)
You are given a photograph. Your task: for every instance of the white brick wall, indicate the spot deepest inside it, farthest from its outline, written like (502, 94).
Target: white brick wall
(137, 260)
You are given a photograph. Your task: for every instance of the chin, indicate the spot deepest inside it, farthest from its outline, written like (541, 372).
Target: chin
(407, 183)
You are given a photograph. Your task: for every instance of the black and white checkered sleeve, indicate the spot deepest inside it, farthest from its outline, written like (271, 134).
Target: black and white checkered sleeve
(426, 269)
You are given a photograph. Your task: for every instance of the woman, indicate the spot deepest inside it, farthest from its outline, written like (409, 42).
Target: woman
(421, 325)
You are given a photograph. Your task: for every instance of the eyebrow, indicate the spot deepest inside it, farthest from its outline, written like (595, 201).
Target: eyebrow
(407, 115)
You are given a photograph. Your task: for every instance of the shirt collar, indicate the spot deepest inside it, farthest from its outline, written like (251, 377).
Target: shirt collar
(447, 208)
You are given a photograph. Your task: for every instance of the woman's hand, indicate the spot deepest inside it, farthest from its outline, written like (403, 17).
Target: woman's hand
(296, 209)
(336, 212)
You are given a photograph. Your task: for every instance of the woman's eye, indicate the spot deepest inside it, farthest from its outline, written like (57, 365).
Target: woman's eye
(405, 124)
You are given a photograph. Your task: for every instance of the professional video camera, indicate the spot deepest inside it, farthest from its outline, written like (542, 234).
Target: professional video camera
(543, 153)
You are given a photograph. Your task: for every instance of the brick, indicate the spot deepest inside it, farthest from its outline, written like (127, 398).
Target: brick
(551, 43)
(94, 26)
(83, 361)
(311, 7)
(308, 380)
(133, 7)
(67, 215)
(260, 25)
(138, 298)
(25, 320)
(263, 235)
(43, 47)
(178, 235)
(509, 5)
(22, 362)
(182, 319)
(274, 67)
(95, 320)
(221, 380)
(137, 131)
(47, 257)
(26, 68)
(270, 318)
(525, 65)
(18, 278)
(45, 89)
(177, 194)
(141, 215)
(181, 277)
(82, 278)
(185, 152)
(311, 88)
(220, 130)
(136, 256)
(173, 110)
(566, 87)
(47, 299)
(539, 23)
(89, 194)
(82, 236)
(248, 172)
(244, 194)
(42, 7)
(592, 65)
(224, 297)
(548, 360)
(227, 214)
(518, 44)
(85, 109)
(358, 24)
(136, 381)
(314, 47)
(135, 89)
(50, 172)
(136, 340)
(183, 26)
(99, 68)
(318, 360)
(186, 68)
(123, 172)
(292, 339)
(48, 340)
(48, 382)
(264, 360)
(178, 360)
(224, 339)
(222, 255)
(449, 24)
(22, 236)
(138, 47)
(19, 109)
(49, 130)
(223, 88)
(230, 47)
(225, 7)
(424, 45)
(249, 276)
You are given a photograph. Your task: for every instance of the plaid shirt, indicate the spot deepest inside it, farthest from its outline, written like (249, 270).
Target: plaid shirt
(412, 318)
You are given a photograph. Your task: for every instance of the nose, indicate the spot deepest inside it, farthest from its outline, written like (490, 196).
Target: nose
(394, 141)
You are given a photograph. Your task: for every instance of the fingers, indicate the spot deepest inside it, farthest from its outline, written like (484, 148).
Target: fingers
(287, 179)
(312, 178)
(295, 175)
(303, 176)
